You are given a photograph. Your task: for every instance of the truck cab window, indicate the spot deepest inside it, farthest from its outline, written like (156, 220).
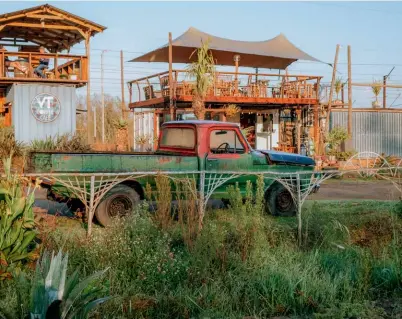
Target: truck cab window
(225, 142)
(178, 138)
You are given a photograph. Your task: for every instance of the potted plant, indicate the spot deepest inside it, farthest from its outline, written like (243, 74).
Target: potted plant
(338, 88)
(231, 110)
(334, 139)
(376, 88)
(74, 76)
(63, 76)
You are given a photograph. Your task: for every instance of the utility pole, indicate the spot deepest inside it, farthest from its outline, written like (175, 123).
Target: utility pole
(103, 101)
(123, 103)
(384, 89)
(349, 91)
(331, 91)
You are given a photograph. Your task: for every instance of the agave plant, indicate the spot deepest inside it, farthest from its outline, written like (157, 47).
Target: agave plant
(120, 124)
(17, 226)
(202, 70)
(54, 295)
(65, 142)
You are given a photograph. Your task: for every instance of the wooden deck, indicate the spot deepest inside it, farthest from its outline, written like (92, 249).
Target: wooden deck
(244, 89)
(18, 67)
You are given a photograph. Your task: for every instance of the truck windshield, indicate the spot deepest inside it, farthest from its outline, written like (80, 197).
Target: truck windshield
(178, 137)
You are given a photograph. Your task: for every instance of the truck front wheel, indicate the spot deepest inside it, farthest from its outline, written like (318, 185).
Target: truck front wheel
(118, 202)
(279, 201)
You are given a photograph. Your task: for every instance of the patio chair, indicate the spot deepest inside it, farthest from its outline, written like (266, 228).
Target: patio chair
(164, 80)
(149, 92)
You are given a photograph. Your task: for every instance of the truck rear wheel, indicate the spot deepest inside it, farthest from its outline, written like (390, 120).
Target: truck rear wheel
(279, 201)
(118, 202)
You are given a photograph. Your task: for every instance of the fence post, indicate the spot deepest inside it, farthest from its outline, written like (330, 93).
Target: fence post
(298, 204)
(91, 209)
(201, 200)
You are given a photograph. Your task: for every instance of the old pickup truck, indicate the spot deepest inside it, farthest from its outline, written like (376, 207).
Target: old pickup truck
(207, 146)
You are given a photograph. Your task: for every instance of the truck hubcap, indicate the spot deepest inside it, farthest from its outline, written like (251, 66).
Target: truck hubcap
(119, 206)
(284, 200)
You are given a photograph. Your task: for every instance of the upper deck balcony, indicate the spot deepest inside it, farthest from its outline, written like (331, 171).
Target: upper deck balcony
(226, 87)
(16, 67)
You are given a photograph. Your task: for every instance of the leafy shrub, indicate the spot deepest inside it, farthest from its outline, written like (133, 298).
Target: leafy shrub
(336, 137)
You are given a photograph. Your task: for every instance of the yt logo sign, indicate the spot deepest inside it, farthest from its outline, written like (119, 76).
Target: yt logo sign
(45, 107)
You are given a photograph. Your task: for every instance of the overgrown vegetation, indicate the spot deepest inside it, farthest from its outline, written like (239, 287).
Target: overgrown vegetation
(61, 143)
(9, 145)
(240, 263)
(232, 263)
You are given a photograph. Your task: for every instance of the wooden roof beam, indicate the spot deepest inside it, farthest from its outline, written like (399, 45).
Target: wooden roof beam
(78, 21)
(21, 15)
(45, 26)
(43, 16)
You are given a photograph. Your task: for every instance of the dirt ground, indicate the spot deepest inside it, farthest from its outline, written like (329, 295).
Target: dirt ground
(356, 189)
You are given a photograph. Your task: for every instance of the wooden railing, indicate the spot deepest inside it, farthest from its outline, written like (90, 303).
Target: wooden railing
(227, 84)
(63, 67)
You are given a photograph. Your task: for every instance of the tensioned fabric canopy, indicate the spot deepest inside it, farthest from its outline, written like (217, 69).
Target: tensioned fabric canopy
(276, 53)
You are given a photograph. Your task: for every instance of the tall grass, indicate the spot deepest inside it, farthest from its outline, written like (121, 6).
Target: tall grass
(242, 263)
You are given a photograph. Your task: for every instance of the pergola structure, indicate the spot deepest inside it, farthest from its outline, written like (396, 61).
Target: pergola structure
(54, 29)
(48, 26)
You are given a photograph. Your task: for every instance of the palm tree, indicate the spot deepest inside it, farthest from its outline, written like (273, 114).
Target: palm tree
(376, 88)
(202, 70)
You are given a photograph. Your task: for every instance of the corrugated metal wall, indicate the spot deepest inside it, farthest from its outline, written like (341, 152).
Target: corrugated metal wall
(379, 132)
(27, 128)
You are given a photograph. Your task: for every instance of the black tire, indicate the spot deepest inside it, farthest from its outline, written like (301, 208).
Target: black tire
(279, 201)
(119, 201)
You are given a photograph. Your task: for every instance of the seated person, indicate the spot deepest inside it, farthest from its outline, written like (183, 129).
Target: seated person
(15, 64)
(43, 64)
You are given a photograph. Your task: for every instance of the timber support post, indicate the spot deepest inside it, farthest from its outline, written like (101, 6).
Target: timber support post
(349, 141)
(89, 106)
(171, 106)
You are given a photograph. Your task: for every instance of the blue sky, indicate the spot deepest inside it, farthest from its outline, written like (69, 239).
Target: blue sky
(371, 28)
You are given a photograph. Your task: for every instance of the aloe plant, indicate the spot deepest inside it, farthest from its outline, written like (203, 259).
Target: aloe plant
(55, 295)
(17, 226)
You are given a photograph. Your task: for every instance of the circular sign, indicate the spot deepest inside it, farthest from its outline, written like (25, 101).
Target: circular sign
(45, 107)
